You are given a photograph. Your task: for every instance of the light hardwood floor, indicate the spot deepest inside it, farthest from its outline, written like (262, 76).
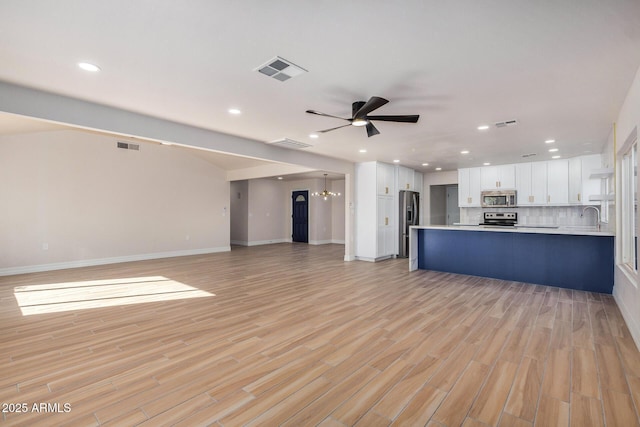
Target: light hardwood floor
(289, 334)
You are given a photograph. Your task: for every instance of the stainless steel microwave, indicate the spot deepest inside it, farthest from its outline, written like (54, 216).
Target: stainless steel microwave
(498, 199)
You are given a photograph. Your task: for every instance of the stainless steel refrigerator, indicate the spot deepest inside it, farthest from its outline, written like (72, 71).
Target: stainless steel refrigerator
(409, 215)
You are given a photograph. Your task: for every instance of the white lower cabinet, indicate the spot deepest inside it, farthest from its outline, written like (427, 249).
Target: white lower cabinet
(385, 227)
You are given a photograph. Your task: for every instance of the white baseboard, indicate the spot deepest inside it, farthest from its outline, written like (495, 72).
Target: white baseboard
(319, 242)
(240, 242)
(10, 271)
(326, 242)
(266, 242)
(629, 318)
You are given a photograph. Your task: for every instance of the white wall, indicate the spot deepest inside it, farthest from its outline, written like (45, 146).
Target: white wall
(321, 212)
(88, 202)
(625, 290)
(338, 212)
(266, 212)
(239, 209)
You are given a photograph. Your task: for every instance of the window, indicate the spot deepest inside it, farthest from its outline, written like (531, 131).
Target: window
(629, 188)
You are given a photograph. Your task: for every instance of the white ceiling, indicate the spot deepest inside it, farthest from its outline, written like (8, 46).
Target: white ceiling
(560, 68)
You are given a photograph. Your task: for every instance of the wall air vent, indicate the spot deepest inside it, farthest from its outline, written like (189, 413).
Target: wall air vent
(280, 69)
(289, 143)
(506, 123)
(128, 146)
(528, 155)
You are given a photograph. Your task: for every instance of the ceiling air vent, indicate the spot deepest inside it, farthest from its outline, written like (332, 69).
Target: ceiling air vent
(280, 69)
(289, 143)
(506, 123)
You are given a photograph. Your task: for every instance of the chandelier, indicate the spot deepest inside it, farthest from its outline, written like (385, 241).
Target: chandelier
(325, 194)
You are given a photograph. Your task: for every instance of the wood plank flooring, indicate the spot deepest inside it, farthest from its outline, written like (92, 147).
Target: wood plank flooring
(289, 334)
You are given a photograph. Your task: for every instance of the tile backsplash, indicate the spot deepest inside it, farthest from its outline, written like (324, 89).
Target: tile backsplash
(540, 215)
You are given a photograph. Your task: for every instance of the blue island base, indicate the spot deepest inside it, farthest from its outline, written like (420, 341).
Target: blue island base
(582, 262)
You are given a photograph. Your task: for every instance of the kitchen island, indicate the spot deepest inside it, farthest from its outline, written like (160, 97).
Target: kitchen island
(579, 258)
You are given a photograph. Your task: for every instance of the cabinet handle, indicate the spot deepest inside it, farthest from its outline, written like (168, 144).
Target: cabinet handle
(578, 196)
(386, 190)
(548, 199)
(407, 185)
(531, 198)
(386, 220)
(497, 184)
(469, 199)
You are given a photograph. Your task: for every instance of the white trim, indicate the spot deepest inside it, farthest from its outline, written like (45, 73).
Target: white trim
(627, 314)
(326, 242)
(266, 242)
(319, 242)
(10, 271)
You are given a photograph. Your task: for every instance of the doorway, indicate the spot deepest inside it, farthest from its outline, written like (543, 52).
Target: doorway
(300, 216)
(443, 205)
(452, 211)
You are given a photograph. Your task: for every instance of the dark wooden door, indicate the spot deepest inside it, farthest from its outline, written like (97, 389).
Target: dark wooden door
(300, 216)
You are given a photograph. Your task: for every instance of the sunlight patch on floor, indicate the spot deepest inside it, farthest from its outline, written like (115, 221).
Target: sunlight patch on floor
(57, 297)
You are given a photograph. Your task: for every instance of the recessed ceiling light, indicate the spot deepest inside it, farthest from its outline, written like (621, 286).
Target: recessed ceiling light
(359, 122)
(363, 150)
(486, 164)
(89, 67)
(464, 152)
(550, 141)
(425, 164)
(438, 169)
(483, 127)
(313, 135)
(555, 157)
(279, 177)
(234, 111)
(396, 161)
(553, 150)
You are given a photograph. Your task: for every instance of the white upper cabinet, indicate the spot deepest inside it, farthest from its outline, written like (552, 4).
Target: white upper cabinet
(581, 186)
(405, 179)
(558, 182)
(531, 184)
(469, 187)
(385, 179)
(498, 177)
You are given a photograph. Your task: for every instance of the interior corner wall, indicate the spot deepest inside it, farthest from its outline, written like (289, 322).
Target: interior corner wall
(239, 210)
(72, 198)
(626, 288)
(266, 212)
(338, 212)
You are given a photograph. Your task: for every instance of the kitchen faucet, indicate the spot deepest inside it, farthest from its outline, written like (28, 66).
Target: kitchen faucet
(597, 215)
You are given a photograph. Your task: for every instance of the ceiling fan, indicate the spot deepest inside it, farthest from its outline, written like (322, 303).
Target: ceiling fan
(360, 117)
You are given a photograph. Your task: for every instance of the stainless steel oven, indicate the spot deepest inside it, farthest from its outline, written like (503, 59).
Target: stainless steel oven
(498, 199)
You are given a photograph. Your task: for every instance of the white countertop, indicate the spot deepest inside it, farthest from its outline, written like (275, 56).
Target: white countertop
(572, 230)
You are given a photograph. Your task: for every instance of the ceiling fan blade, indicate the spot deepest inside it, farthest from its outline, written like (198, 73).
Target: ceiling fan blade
(404, 119)
(329, 130)
(371, 130)
(373, 103)
(318, 113)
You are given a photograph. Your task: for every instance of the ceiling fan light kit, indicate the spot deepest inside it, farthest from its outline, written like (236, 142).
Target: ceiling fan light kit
(360, 116)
